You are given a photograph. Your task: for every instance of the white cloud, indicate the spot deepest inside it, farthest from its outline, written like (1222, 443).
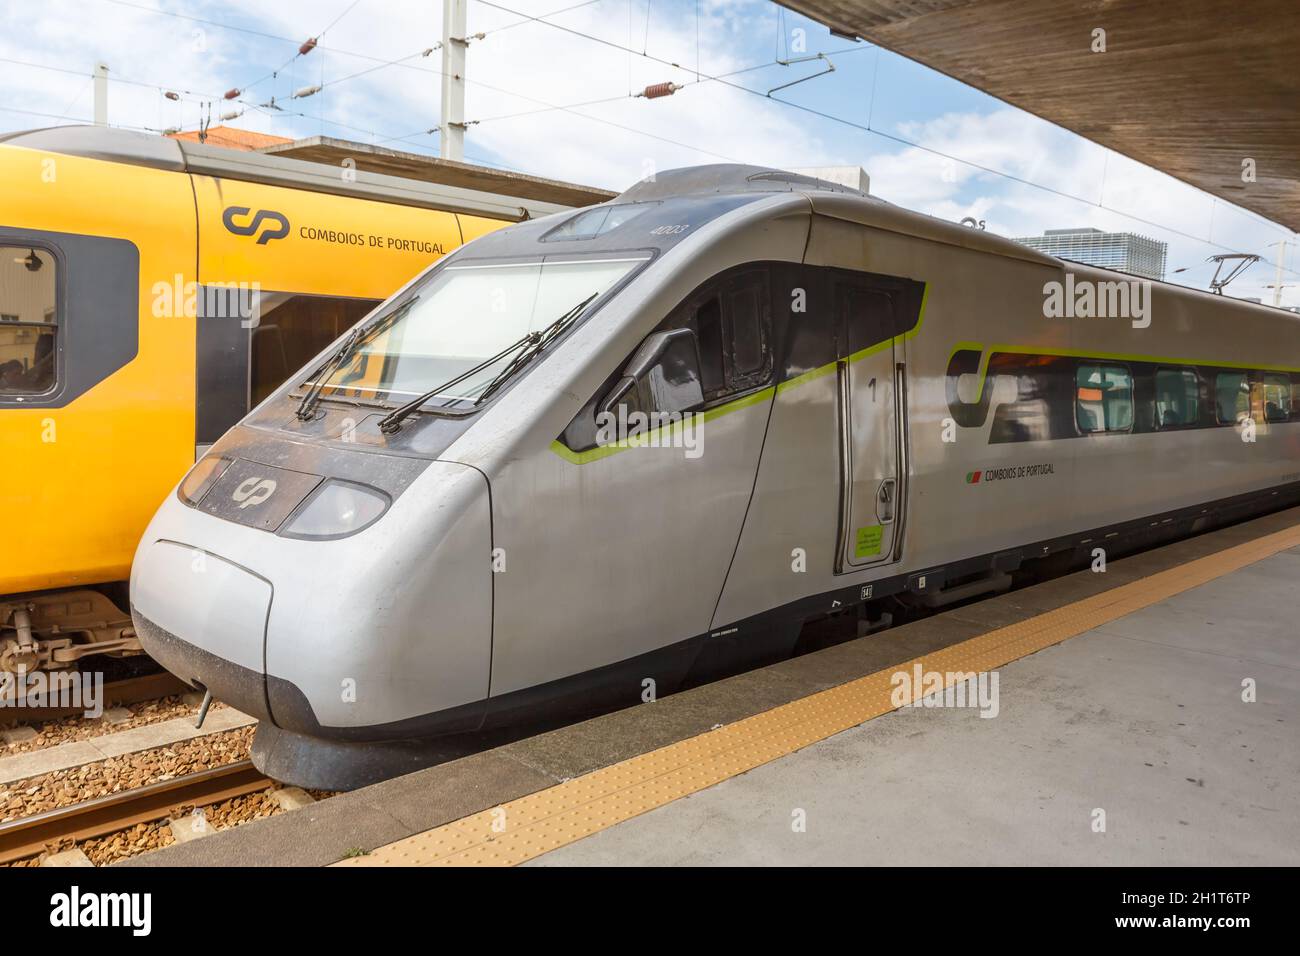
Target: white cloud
(1092, 187)
(615, 143)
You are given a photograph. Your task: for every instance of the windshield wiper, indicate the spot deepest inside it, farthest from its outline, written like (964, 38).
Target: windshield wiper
(537, 342)
(307, 407)
(531, 344)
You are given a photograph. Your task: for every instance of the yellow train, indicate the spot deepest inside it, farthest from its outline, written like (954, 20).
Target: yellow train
(151, 292)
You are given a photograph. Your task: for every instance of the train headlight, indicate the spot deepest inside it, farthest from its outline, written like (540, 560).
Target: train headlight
(202, 477)
(335, 510)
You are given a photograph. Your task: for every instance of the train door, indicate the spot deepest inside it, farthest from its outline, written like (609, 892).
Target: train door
(871, 425)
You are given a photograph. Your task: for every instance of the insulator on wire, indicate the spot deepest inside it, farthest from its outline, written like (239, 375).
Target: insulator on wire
(308, 45)
(172, 96)
(660, 89)
(231, 94)
(231, 115)
(305, 91)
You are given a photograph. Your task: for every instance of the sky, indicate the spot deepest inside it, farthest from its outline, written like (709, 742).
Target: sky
(548, 93)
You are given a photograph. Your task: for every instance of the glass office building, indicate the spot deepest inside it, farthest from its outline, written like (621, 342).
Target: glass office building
(1122, 251)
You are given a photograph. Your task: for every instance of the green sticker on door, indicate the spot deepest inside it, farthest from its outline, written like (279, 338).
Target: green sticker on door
(868, 541)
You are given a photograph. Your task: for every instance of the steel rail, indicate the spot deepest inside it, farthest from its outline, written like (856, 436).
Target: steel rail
(29, 836)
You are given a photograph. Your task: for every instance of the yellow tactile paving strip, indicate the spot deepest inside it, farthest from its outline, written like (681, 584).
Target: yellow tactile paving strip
(548, 819)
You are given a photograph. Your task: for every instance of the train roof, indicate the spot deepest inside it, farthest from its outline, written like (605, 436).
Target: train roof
(717, 179)
(842, 202)
(827, 198)
(412, 179)
(314, 164)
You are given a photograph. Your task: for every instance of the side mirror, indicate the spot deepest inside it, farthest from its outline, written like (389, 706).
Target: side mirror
(663, 376)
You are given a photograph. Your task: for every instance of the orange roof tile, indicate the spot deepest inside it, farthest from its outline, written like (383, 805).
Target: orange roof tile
(232, 138)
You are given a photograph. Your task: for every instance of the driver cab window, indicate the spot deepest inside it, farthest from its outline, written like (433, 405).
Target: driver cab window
(714, 345)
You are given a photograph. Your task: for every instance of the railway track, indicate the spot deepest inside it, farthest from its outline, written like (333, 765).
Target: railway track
(29, 836)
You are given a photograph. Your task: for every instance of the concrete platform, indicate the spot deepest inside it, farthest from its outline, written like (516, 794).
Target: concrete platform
(1141, 718)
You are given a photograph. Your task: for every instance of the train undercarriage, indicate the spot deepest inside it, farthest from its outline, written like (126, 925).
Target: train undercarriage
(55, 630)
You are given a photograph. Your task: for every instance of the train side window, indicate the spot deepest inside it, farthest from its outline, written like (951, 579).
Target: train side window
(1103, 399)
(28, 320)
(1231, 397)
(1026, 393)
(1295, 397)
(1177, 398)
(1276, 396)
(731, 316)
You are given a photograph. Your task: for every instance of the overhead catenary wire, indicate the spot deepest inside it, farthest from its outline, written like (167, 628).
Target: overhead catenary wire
(595, 119)
(866, 128)
(201, 97)
(312, 90)
(81, 91)
(281, 111)
(112, 78)
(175, 93)
(571, 108)
(335, 22)
(75, 119)
(633, 95)
(401, 64)
(553, 13)
(304, 48)
(526, 18)
(427, 51)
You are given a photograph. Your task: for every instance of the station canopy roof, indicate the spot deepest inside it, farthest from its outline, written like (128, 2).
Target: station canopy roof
(1190, 88)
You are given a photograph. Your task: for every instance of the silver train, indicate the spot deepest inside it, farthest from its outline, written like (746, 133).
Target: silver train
(588, 457)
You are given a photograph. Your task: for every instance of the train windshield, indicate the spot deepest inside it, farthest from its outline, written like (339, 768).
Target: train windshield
(464, 316)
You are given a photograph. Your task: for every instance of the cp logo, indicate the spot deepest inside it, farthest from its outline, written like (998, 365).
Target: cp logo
(253, 491)
(277, 223)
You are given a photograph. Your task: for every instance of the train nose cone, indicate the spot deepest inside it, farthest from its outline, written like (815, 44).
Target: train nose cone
(351, 651)
(204, 619)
